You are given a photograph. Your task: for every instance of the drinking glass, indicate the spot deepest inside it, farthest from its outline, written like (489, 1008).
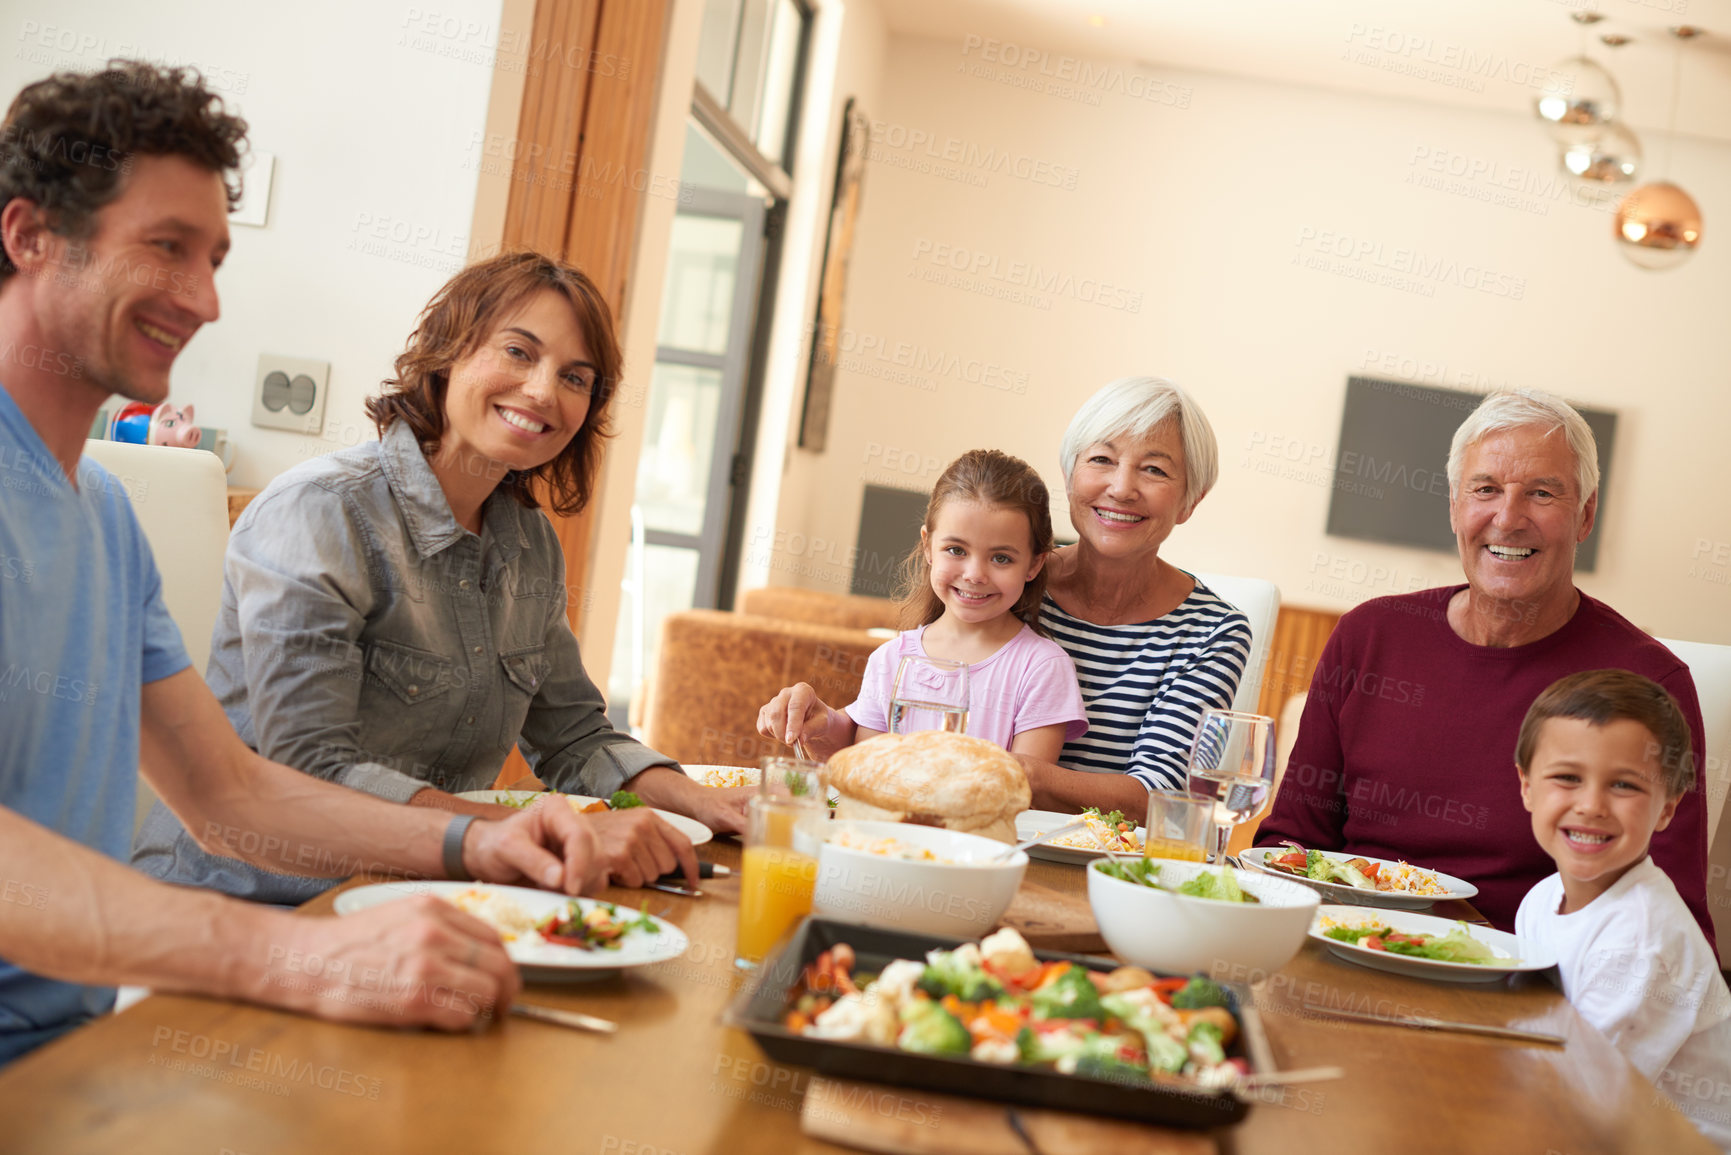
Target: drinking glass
(1232, 762)
(929, 694)
(1180, 825)
(778, 871)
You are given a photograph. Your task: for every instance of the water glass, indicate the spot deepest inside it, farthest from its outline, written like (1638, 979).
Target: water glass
(929, 694)
(1232, 762)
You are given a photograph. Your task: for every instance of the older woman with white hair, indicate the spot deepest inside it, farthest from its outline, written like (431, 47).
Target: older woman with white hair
(1153, 646)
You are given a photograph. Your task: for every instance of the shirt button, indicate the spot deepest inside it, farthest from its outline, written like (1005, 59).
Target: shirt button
(414, 689)
(470, 720)
(464, 584)
(477, 649)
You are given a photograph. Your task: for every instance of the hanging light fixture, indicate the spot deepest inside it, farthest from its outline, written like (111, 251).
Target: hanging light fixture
(1581, 98)
(1614, 156)
(1658, 226)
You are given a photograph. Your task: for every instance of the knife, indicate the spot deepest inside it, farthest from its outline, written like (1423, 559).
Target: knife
(1429, 1024)
(574, 1019)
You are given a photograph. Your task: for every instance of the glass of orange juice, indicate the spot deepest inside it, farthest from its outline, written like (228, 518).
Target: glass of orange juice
(779, 868)
(1180, 825)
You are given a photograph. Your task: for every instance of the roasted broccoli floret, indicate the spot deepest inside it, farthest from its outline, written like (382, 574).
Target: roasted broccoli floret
(1049, 1046)
(929, 1029)
(1112, 1068)
(947, 974)
(1205, 1044)
(1072, 995)
(1143, 1012)
(1200, 991)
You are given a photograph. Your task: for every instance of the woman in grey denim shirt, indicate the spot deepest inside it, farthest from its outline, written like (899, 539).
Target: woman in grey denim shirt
(394, 615)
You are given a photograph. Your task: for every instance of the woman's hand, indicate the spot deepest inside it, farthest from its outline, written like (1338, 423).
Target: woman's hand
(797, 714)
(722, 810)
(638, 846)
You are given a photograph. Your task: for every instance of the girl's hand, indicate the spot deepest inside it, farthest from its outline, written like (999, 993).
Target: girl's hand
(797, 714)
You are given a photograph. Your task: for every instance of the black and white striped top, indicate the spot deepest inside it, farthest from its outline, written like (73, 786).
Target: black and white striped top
(1145, 685)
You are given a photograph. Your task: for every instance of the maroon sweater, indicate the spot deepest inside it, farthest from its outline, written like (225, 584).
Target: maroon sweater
(1407, 747)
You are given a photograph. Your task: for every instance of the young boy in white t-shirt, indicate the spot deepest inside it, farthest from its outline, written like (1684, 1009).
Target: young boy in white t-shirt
(1604, 756)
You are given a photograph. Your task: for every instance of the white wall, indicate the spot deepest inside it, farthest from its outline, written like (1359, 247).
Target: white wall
(374, 120)
(1202, 205)
(850, 48)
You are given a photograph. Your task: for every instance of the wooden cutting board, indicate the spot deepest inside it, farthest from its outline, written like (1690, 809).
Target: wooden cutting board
(899, 1119)
(1054, 920)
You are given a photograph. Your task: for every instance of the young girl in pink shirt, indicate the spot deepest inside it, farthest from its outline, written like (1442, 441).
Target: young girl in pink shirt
(973, 590)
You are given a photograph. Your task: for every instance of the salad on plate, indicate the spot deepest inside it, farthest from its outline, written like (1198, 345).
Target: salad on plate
(1358, 873)
(1457, 946)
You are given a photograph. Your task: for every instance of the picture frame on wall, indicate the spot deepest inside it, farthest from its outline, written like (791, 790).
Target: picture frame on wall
(832, 286)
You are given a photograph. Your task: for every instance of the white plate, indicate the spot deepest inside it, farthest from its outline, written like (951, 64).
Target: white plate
(690, 827)
(1352, 896)
(1515, 954)
(541, 961)
(1032, 822)
(706, 775)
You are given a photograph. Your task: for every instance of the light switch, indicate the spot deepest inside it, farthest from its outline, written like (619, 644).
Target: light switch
(289, 393)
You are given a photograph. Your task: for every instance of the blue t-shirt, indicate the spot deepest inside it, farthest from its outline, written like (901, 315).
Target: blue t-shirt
(82, 629)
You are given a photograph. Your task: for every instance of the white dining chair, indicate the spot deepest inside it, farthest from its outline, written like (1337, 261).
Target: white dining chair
(1710, 667)
(180, 497)
(1259, 600)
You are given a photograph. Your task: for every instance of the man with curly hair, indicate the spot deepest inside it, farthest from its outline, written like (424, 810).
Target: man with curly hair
(115, 189)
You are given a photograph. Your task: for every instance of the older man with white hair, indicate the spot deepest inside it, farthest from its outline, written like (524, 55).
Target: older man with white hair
(1407, 742)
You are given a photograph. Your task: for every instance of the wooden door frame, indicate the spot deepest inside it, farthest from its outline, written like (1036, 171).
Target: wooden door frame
(590, 72)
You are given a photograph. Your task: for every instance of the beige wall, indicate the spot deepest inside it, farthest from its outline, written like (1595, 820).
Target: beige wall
(376, 115)
(1202, 205)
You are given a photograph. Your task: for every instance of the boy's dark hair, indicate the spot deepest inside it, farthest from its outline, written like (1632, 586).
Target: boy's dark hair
(991, 478)
(69, 141)
(1600, 697)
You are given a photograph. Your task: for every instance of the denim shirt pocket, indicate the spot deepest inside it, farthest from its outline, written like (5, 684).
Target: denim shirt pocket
(527, 668)
(412, 675)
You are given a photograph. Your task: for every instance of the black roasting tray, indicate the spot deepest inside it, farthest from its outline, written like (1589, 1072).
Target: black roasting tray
(759, 1007)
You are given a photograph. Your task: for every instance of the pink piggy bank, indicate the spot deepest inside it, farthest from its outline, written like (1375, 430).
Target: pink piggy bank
(171, 426)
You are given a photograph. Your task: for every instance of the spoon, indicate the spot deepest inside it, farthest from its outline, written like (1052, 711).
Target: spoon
(1036, 840)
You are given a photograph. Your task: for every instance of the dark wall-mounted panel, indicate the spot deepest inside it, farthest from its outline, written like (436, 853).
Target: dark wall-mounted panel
(1390, 473)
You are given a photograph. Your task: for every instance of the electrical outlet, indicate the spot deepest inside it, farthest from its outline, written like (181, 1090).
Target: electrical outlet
(289, 393)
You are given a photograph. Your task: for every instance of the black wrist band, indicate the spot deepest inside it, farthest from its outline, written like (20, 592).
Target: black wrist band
(452, 852)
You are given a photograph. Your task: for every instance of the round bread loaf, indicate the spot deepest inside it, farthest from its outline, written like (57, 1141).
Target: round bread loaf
(934, 778)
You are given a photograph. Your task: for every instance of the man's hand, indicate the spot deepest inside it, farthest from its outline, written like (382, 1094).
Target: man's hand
(439, 800)
(416, 962)
(638, 846)
(548, 845)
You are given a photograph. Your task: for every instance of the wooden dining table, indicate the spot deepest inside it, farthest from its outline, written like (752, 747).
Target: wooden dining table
(182, 1074)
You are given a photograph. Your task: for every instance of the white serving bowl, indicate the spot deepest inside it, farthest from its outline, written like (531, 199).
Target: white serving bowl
(1178, 934)
(964, 897)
